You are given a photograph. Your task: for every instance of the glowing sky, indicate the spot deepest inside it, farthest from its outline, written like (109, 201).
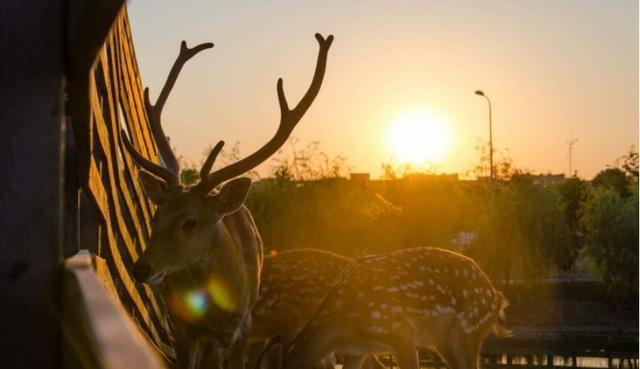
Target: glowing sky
(552, 68)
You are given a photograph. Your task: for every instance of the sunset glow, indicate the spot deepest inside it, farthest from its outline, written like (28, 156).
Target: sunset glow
(419, 137)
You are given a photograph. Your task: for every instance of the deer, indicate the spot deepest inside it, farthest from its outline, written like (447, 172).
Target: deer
(205, 253)
(293, 285)
(398, 302)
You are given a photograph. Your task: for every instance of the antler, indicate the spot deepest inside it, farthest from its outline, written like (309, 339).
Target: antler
(171, 174)
(154, 112)
(288, 120)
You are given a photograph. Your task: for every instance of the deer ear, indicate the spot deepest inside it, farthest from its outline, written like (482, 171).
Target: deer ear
(232, 195)
(272, 355)
(154, 187)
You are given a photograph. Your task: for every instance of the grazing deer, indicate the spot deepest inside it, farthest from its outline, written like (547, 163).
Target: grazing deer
(205, 251)
(399, 301)
(292, 286)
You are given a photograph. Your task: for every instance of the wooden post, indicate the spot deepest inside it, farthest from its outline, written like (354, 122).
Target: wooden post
(31, 143)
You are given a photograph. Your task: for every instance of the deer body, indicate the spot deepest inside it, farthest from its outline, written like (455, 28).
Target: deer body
(293, 285)
(400, 301)
(205, 252)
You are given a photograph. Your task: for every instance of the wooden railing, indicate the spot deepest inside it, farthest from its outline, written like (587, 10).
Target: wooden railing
(111, 195)
(98, 332)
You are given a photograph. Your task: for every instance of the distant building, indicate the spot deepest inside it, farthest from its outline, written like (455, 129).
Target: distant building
(547, 179)
(430, 177)
(360, 177)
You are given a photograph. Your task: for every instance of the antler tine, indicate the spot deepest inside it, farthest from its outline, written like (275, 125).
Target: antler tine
(206, 167)
(288, 120)
(169, 176)
(155, 111)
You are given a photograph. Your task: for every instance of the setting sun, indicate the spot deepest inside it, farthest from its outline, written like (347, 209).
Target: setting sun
(418, 137)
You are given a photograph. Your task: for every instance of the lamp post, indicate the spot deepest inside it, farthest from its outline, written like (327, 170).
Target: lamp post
(480, 93)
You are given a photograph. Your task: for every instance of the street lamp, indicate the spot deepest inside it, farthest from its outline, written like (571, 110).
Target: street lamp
(480, 93)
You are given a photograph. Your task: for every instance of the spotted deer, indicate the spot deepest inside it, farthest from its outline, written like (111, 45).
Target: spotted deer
(399, 301)
(292, 286)
(205, 253)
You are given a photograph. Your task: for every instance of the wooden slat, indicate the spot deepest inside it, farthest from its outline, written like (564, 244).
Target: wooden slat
(126, 46)
(116, 191)
(102, 271)
(108, 133)
(123, 188)
(112, 182)
(123, 274)
(111, 77)
(111, 84)
(132, 102)
(99, 330)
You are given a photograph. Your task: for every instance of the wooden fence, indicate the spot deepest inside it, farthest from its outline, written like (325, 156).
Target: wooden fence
(114, 214)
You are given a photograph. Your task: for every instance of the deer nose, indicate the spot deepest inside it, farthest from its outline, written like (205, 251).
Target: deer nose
(141, 272)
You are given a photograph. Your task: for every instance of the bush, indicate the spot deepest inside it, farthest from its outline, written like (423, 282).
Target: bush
(521, 230)
(611, 225)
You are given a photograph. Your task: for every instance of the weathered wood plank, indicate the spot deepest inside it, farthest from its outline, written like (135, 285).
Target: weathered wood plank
(98, 191)
(108, 134)
(134, 89)
(101, 197)
(133, 113)
(31, 144)
(111, 77)
(112, 187)
(99, 332)
(102, 271)
(112, 137)
(112, 184)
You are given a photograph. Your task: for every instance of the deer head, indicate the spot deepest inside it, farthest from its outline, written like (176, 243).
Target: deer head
(187, 224)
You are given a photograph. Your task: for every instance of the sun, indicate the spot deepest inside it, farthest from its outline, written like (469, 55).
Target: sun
(418, 137)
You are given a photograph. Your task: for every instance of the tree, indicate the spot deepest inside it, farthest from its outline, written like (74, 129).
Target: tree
(613, 178)
(521, 230)
(630, 164)
(189, 176)
(573, 192)
(611, 225)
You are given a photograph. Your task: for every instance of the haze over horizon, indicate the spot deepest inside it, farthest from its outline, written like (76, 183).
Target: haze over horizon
(553, 70)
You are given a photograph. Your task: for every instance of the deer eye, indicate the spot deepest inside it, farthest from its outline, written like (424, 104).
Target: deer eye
(189, 225)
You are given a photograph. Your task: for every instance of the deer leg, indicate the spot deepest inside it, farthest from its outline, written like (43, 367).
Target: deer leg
(372, 362)
(460, 351)
(406, 356)
(211, 356)
(353, 361)
(235, 355)
(327, 362)
(253, 350)
(448, 356)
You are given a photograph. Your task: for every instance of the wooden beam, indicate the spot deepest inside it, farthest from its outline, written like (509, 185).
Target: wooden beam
(98, 332)
(31, 144)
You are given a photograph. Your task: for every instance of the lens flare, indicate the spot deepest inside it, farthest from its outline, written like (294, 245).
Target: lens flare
(220, 295)
(196, 302)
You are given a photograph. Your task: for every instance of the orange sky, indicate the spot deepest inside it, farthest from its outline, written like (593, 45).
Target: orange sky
(552, 69)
